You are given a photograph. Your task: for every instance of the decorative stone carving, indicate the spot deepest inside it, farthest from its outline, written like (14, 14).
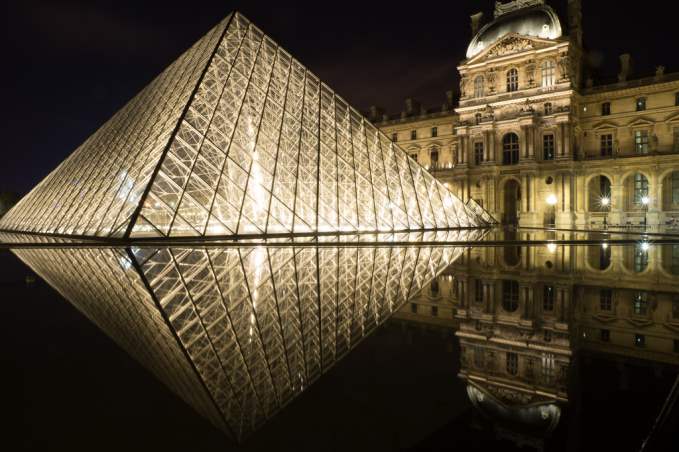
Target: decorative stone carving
(565, 66)
(510, 45)
(464, 82)
(491, 76)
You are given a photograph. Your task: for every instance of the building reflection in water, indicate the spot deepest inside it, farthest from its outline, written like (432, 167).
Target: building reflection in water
(240, 331)
(525, 316)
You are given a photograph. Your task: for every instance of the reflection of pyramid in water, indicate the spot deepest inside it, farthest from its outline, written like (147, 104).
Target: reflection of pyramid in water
(239, 332)
(236, 138)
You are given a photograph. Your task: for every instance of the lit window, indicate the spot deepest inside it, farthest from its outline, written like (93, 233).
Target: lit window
(510, 149)
(512, 80)
(434, 132)
(640, 258)
(394, 137)
(478, 152)
(548, 108)
(548, 70)
(548, 146)
(510, 295)
(640, 188)
(413, 134)
(640, 303)
(641, 104)
(641, 141)
(478, 86)
(639, 340)
(605, 335)
(606, 145)
(512, 363)
(548, 299)
(605, 109)
(606, 299)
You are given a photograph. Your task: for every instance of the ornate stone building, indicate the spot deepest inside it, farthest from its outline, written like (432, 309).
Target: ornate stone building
(535, 142)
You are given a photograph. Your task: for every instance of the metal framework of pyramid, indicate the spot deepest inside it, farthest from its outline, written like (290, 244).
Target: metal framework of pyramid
(237, 138)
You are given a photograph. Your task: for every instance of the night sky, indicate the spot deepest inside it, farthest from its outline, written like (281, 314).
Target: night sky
(70, 65)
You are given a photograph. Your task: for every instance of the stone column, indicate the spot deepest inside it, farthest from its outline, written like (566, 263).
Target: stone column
(492, 157)
(523, 142)
(567, 140)
(531, 142)
(560, 146)
(524, 193)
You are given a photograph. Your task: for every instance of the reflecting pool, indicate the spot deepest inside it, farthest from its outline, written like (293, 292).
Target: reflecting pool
(387, 342)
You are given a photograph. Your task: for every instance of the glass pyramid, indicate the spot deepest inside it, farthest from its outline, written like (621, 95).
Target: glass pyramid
(238, 332)
(236, 138)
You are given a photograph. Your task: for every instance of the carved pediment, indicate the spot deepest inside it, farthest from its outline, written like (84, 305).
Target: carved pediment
(512, 43)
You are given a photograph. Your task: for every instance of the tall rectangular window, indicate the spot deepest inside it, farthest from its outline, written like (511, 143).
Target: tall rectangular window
(676, 139)
(675, 187)
(434, 158)
(640, 303)
(478, 292)
(478, 153)
(641, 104)
(640, 188)
(676, 99)
(606, 145)
(674, 267)
(512, 363)
(606, 299)
(548, 146)
(641, 141)
(512, 80)
(413, 134)
(548, 299)
(605, 109)
(394, 137)
(548, 71)
(434, 132)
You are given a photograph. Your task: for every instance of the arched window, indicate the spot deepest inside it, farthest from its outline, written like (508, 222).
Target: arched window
(548, 72)
(478, 86)
(510, 149)
(640, 188)
(512, 80)
(510, 295)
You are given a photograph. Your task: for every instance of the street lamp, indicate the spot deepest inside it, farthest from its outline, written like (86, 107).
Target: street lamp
(645, 200)
(605, 202)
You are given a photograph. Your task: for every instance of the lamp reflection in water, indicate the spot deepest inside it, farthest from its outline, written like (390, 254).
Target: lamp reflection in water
(240, 331)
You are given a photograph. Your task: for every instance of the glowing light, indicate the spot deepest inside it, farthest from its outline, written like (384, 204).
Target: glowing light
(645, 200)
(605, 201)
(645, 246)
(551, 247)
(604, 245)
(551, 199)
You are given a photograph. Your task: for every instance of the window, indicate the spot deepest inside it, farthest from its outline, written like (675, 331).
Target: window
(548, 70)
(512, 80)
(478, 153)
(477, 118)
(394, 137)
(641, 104)
(413, 308)
(512, 363)
(510, 149)
(676, 99)
(606, 145)
(640, 258)
(510, 295)
(641, 141)
(478, 357)
(676, 139)
(675, 309)
(548, 146)
(434, 132)
(547, 336)
(640, 188)
(434, 287)
(676, 346)
(435, 311)
(674, 265)
(640, 303)
(606, 299)
(639, 340)
(605, 336)
(478, 86)
(605, 109)
(548, 299)
(413, 156)
(548, 108)
(434, 158)
(413, 134)
(478, 292)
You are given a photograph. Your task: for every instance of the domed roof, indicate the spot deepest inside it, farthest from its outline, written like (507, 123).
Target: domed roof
(539, 21)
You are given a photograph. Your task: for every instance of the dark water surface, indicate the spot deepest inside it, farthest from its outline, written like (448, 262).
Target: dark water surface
(485, 348)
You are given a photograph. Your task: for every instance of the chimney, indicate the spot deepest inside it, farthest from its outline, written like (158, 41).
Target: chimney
(659, 72)
(625, 67)
(476, 22)
(449, 98)
(575, 21)
(412, 106)
(375, 113)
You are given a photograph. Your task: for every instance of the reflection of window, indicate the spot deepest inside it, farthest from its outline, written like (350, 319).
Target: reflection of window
(640, 303)
(606, 145)
(548, 69)
(605, 335)
(548, 108)
(675, 187)
(413, 134)
(674, 262)
(639, 340)
(548, 146)
(640, 258)
(510, 149)
(478, 86)
(512, 80)
(641, 141)
(512, 363)
(605, 109)
(434, 132)
(641, 104)
(478, 291)
(548, 299)
(640, 188)
(606, 299)
(510, 295)
(478, 152)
